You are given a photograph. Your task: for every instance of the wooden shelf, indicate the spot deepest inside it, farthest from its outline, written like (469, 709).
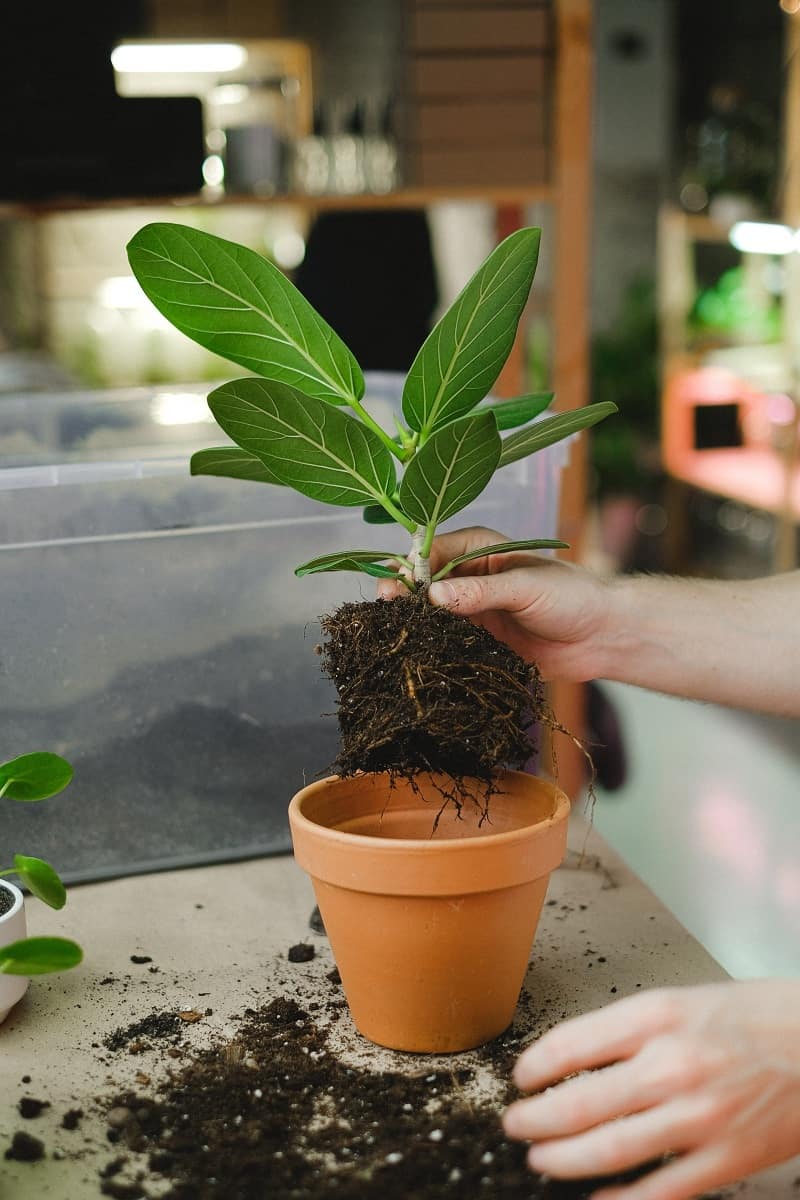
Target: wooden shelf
(412, 197)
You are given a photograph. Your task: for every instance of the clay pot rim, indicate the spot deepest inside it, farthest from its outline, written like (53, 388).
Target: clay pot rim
(445, 845)
(19, 900)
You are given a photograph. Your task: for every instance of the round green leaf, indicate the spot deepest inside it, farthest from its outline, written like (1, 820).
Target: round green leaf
(41, 880)
(34, 776)
(39, 956)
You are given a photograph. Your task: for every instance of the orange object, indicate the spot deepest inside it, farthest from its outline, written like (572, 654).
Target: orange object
(431, 931)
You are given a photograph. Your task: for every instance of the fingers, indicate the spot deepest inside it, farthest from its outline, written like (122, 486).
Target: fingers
(583, 1102)
(510, 591)
(595, 1039)
(682, 1178)
(679, 1124)
(445, 547)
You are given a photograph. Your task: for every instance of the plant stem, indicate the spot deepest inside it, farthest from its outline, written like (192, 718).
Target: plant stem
(387, 503)
(397, 451)
(420, 560)
(6, 786)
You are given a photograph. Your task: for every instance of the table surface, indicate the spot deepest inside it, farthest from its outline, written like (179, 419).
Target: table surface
(218, 939)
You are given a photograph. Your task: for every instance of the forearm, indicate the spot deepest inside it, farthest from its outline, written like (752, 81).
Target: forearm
(734, 643)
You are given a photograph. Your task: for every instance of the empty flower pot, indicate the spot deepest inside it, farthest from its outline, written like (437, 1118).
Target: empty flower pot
(431, 929)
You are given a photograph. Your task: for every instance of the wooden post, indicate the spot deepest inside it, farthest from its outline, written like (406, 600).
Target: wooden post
(571, 319)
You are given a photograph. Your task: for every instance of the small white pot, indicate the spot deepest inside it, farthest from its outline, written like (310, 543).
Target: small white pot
(12, 929)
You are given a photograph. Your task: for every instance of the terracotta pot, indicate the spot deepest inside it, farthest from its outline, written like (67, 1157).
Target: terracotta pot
(431, 932)
(12, 929)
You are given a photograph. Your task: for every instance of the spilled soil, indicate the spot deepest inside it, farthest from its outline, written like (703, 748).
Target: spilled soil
(281, 1100)
(421, 689)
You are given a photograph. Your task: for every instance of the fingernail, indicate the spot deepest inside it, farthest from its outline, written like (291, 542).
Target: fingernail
(442, 594)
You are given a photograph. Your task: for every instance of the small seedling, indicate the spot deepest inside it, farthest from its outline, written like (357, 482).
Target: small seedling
(291, 426)
(27, 778)
(419, 689)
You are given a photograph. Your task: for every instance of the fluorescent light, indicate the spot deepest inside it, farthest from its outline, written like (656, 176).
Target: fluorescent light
(756, 237)
(168, 57)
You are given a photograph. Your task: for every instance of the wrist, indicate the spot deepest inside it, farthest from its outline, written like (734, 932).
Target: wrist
(615, 641)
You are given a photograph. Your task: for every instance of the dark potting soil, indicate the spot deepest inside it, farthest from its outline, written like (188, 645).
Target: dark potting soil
(273, 1110)
(274, 1113)
(419, 688)
(6, 901)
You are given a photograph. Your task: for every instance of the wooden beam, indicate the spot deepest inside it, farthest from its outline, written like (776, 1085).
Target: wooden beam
(573, 165)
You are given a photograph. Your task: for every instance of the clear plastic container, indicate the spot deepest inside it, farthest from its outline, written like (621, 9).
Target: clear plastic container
(154, 632)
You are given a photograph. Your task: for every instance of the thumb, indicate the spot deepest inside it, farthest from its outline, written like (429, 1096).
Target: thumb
(474, 594)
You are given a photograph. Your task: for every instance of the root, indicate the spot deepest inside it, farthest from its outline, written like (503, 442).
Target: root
(422, 690)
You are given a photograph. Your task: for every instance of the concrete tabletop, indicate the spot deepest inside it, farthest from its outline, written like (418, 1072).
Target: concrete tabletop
(216, 938)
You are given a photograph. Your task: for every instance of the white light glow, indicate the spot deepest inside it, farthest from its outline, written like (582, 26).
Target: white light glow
(756, 237)
(180, 408)
(120, 291)
(230, 93)
(289, 250)
(213, 170)
(122, 294)
(169, 57)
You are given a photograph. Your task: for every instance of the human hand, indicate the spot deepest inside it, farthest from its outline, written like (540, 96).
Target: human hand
(710, 1074)
(551, 612)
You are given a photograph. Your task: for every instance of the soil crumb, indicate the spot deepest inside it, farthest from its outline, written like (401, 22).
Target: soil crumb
(25, 1148)
(301, 953)
(30, 1108)
(164, 1026)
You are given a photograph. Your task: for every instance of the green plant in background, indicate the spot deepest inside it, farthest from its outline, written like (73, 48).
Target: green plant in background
(290, 421)
(625, 370)
(32, 777)
(731, 310)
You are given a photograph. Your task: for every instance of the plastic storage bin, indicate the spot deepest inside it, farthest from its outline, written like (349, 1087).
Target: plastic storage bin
(154, 632)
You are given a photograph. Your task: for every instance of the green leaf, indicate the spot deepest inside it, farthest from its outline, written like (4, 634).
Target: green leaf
(231, 462)
(552, 429)
(375, 514)
(451, 469)
(40, 878)
(234, 302)
(308, 445)
(500, 548)
(463, 355)
(39, 956)
(347, 560)
(511, 413)
(34, 776)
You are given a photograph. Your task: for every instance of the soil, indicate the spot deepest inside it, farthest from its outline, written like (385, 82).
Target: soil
(285, 1101)
(273, 1112)
(421, 689)
(6, 901)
